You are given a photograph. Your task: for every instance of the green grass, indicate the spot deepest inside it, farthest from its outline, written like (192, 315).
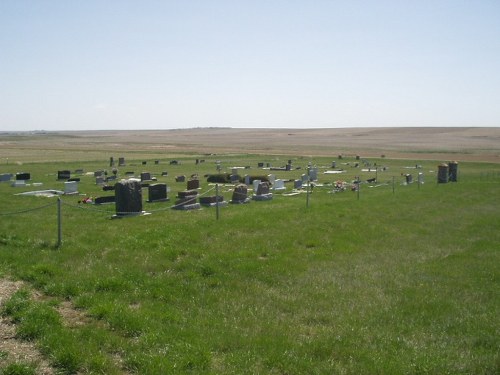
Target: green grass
(390, 283)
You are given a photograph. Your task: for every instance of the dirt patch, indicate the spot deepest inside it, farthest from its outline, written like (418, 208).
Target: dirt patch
(12, 349)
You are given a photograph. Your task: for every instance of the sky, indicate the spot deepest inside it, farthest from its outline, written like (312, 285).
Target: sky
(118, 64)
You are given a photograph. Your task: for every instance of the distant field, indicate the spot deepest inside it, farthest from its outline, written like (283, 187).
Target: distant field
(466, 144)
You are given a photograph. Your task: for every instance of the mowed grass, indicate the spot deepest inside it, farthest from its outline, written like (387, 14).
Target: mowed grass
(390, 283)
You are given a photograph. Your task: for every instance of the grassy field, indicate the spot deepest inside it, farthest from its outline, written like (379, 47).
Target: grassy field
(398, 279)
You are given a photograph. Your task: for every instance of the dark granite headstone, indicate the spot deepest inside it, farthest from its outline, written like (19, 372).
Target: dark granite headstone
(193, 184)
(180, 178)
(157, 193)
(23, 176)
(207, 201)
(128, 195)
(145, 176)
(164, 173)
(105, 199)
(187, 193)
(77, 179)
(263, 188)
(98, 173)
(111, 161)
(240, 194)
(63, 175)
(121, 161)
(260, 165)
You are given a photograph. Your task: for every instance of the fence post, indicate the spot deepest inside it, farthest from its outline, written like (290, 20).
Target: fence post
(217, 201)
(59, 223)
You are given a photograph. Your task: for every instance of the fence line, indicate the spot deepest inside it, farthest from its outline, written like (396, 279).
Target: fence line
(27, 210)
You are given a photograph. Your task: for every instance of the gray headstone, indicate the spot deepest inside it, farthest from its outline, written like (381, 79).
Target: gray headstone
(71, 187)
(128, 197)
(247, 179)
(4, 177)
(297, 184)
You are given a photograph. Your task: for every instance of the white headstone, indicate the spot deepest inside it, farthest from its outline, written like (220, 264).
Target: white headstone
(256, 184)
(279, 184)
(272, 178)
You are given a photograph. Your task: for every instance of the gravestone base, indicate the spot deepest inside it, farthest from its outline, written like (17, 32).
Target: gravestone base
(214, 204)
(131, 214)
(241, 201)
(158, 200)
(263, 197)
(185, 207)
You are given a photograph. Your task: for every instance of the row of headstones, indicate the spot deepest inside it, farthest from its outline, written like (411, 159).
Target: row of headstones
(128, 197)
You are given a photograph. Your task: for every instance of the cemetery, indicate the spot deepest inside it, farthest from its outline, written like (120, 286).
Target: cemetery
(233, 262)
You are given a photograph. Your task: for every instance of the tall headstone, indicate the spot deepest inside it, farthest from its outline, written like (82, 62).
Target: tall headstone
(247, 179)
(157, 193)
(297, 184)
(128, 197)
(256, 184)
(442, 173)
(272, 178)
(121, 161)
(111, 161)
(313, 174)
(453, 171)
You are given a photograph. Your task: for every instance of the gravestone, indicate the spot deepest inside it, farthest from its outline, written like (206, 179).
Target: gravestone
(279, 184)
(234, 178)
(297, 184)
(313, 174)
(23, 176)
(263, 193)
(288, 167)
(99, 180)
(304, 178)
(247, 179)
(5, 177)
(180, 178)
(63, 175)
(71, 187)
(121, 161)
(408, 178)
(145, 176)
(128, 197)
(193, 184)
(214, 200)
(255, 184)
(187, 200)
(157, 162)
(420, 178)
(164, 173)
(157, 193)
(144, 162)
(98, 173)
(442, 173)
(240, 194)
(111, 161)
(105, 199)
(111, 178)
(18, 183)
(260, 165)
(334, 164)
(271, 178)
(453, 171)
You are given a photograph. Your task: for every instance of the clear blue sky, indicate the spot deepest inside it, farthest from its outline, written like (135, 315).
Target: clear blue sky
(109, 64)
